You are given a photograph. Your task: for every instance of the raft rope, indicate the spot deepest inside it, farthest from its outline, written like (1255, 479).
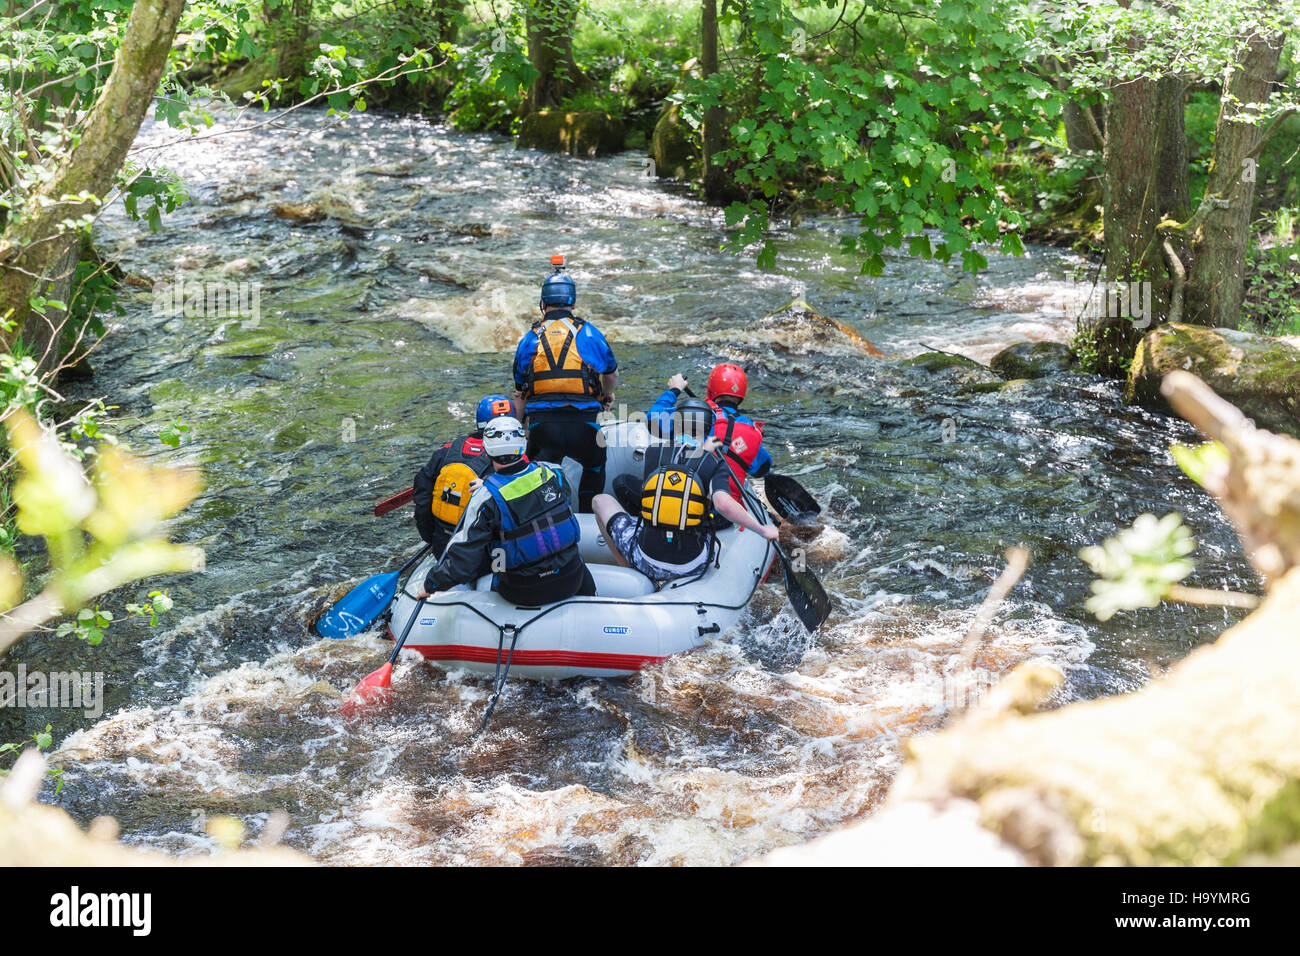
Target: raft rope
(517, 629)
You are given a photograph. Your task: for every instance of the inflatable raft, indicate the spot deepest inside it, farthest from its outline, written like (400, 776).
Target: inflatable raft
(626, 626)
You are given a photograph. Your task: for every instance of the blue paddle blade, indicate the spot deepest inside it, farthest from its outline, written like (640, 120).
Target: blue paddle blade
(357, 609)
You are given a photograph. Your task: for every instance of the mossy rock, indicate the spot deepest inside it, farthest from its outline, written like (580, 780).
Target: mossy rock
(939, 361)
(1013, 387)
(1034, 360)
(578, 134)
(674, 146)
(1257, 373)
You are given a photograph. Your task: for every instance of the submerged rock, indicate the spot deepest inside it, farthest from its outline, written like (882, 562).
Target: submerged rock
(1034, 360)
(298, 212)
(1257, 373)
(940, 361)
(578, 134)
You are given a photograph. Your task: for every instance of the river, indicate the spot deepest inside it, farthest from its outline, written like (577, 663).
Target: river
(377, 329)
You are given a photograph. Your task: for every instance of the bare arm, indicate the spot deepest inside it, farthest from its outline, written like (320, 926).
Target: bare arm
(733, 511)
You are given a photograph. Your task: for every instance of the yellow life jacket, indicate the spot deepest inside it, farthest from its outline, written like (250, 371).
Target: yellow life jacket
(558, 371)
(672, 497)
(451, 488)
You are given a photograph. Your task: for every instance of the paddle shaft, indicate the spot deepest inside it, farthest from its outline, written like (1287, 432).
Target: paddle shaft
(406, 630)
(418, 555)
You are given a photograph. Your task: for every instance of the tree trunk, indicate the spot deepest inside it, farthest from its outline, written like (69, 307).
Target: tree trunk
(43, 331)
(1144, 180)
(550, 49)
(1216, 284)
(446, 16)
(288, 23)
(711, 130)
(32, 241)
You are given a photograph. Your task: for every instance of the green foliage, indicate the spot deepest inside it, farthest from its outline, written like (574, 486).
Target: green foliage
(1272, 302)
(492, 75)
(88, 625)
(1198, 462)
(1138, 565)
(44, 740)
(1085, 344)
(171, 435)
(157, 605)
(901, 130)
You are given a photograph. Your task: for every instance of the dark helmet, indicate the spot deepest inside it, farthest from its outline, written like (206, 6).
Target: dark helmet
(558, 288)
(694, 417)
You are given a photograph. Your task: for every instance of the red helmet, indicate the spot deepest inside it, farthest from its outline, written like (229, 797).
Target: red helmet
(726, 379)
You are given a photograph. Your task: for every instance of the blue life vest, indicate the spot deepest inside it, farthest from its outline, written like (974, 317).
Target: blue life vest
(536, 522)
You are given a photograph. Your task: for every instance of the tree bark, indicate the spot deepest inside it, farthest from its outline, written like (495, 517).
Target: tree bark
(34, 240)
(550, 49)
(1145, 179)
(289, 23)
(1216, 282)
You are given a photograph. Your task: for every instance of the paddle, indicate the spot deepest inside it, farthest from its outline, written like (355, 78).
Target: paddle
(789, 498)
(393, 502)
(809, 599)
(376, 687)
(356, 610)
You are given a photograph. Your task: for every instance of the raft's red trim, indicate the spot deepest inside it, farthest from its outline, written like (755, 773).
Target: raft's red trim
(539, 658)
(535, 658)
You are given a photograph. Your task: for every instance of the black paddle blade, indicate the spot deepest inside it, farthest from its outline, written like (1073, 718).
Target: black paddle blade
(790, 499)
(807, 596)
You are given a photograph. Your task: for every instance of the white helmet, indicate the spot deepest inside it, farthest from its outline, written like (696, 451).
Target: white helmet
(504, 437)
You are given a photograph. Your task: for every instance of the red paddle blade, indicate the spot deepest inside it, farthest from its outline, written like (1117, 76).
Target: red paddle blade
(372, 690)
(393, 502)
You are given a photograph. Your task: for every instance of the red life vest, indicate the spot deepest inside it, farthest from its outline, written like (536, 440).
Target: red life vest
(740, 444)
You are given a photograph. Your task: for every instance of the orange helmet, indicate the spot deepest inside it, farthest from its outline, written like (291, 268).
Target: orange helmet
(726, 380)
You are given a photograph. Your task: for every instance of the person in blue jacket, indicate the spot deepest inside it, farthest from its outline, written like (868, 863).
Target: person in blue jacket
(565, 374)
(742, 437)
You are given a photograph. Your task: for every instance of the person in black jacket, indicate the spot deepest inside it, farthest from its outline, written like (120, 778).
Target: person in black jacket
(442, 487)
(682, 499)
(518, 526)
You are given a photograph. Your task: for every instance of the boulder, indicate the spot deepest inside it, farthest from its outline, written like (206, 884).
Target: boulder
(1034, 360)
(1257, 373)
(674, 146)
(578, 134)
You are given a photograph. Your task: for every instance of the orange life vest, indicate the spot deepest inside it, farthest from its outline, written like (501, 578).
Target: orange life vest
(558, 371)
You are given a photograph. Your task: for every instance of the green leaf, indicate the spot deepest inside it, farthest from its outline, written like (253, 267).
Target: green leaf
(1200, 461)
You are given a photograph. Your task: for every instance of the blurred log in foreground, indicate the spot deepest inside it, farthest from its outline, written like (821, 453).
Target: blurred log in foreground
(1200, 767)
(32, 834)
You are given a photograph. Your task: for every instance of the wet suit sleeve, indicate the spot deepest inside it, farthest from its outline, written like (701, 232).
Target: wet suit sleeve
(595, 350)
(468, 555)
(762, 462)
(660, 417)
(524, 353)
(423, 497)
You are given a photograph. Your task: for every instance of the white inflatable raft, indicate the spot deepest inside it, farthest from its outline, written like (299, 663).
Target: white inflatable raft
(627, 625)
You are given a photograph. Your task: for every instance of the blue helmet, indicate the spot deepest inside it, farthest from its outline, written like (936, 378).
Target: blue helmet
(559, 289)
(493, 406)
